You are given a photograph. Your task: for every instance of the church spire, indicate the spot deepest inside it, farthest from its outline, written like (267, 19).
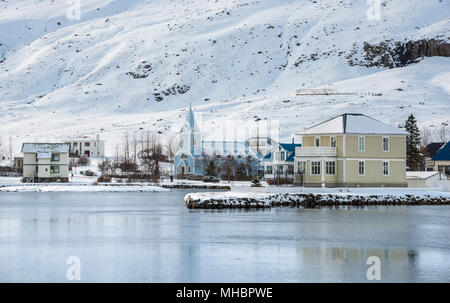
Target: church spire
(191, 117)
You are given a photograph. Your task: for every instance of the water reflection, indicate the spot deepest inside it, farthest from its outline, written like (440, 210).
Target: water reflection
(142, 237)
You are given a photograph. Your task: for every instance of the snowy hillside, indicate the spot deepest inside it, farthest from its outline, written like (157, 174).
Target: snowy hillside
(136, 65)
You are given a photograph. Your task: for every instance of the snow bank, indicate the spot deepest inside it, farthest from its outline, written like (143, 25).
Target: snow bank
(82, 188)
(309, 200)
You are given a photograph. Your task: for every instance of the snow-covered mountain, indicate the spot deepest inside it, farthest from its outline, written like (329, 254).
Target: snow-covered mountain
(135, 65)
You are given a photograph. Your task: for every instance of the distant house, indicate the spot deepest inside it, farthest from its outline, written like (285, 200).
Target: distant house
(441, 161)
(433, 148)
(352, 150)
(192, 149)
(45, 162)
(279, 162)
(87, 146)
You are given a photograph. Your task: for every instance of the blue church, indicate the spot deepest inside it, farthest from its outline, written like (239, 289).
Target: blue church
(192, 149)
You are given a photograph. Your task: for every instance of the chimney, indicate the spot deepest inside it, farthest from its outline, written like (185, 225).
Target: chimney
(292, 140)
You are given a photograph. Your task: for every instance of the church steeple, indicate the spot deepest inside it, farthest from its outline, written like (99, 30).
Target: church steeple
(191, 117)
(190, 137)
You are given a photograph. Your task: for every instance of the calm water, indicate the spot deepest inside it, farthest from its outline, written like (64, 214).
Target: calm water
(152, 237)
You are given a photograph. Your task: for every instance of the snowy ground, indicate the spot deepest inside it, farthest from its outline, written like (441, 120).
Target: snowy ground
(82, 188)
(234, 60)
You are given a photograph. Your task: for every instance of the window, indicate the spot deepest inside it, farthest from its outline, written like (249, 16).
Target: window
(37, 169)
(301, 167)
(193, 141)
(189, 169)
(361, 168)
(87, 144)
(317, 141)
(269, 170)
(315, 167)
(55, 157)
(385, 144)
(280, 156)
(385, 168)
(333, 141)
(75, 144)
(361, 143)
(54, 169)
(330, 167)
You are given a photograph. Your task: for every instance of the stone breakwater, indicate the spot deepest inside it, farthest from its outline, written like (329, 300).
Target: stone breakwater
(307, 200)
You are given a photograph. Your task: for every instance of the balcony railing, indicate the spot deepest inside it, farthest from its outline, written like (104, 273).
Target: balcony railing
(310, 151)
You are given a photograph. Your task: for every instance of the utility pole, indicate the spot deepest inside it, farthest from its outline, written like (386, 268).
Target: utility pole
(10, 151)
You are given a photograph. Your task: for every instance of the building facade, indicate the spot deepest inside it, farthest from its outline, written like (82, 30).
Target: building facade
(279, 163)
(45, 162)
(87, 146)
(351, 150)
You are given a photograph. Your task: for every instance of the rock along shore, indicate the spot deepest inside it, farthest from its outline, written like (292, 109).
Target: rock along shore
(307, 200)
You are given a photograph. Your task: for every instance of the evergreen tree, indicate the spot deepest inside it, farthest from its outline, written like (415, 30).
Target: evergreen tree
(413, 156)
(255, 182)
(211, 169)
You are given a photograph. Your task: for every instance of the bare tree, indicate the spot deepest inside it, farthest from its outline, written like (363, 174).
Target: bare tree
(228, 167)
(135, 144)
(443, 133)
(426, 136)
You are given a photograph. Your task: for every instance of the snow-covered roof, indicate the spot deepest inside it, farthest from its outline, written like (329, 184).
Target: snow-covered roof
(42, 148)
(420, 174)
(354, 124)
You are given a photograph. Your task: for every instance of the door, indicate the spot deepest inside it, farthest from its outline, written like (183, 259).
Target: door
(87, 153)
(182, 172)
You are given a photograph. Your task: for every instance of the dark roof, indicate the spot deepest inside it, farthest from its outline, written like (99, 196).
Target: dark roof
(268, 156)
(433, 148)
(291, 158)
(444, 153)
(290, 147)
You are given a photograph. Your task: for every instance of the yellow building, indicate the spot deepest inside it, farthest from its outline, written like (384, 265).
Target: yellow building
(351, 150)
(45, 162)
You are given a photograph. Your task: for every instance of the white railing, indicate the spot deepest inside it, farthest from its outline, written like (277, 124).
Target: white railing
(315, 151)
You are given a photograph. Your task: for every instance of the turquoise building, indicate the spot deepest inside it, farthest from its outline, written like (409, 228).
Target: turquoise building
(192, 149)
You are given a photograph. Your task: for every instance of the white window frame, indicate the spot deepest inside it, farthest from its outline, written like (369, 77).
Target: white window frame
(271, 170)
(312, 167)
(364, 167)
(388, 144)
(335, 141)
(326, 168)
(315, 141)
(364, 143)
(53, 171)
(388, 168)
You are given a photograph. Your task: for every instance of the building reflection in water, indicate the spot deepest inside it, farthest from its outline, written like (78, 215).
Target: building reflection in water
(344, 264)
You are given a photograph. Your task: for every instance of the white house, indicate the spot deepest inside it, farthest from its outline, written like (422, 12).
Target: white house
(45, 162)
(87, 146)
(279, 162)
